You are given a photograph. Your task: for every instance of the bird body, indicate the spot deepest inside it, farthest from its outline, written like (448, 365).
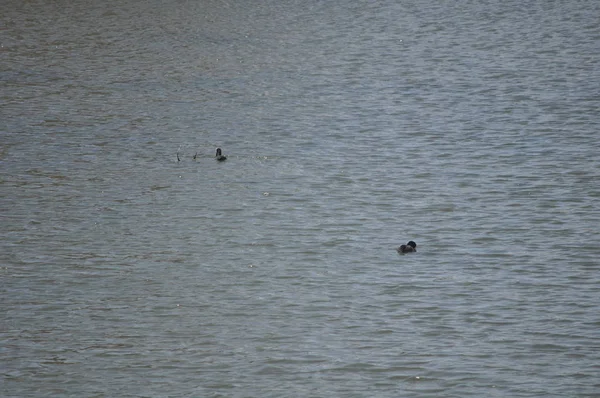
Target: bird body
(410, 247)
(219, 156)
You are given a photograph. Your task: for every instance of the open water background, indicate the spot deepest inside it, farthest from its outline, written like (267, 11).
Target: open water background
(471, 127)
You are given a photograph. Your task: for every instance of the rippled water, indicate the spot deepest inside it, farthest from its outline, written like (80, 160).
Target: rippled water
(350, 128)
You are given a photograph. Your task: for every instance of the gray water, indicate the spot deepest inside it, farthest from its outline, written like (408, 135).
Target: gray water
(351, 127)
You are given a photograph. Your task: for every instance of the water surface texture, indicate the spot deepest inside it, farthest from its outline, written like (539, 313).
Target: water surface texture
(350, 127)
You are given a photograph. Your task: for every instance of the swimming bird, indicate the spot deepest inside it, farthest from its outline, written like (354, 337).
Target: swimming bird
(410, 247)
(219, 156)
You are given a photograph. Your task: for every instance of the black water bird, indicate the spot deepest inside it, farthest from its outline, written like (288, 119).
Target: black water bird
(410, 247)
(219, 156)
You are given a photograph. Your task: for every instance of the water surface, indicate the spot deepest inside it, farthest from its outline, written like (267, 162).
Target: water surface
(350, 128)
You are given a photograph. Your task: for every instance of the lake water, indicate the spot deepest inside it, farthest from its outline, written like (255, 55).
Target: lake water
(351, 127)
